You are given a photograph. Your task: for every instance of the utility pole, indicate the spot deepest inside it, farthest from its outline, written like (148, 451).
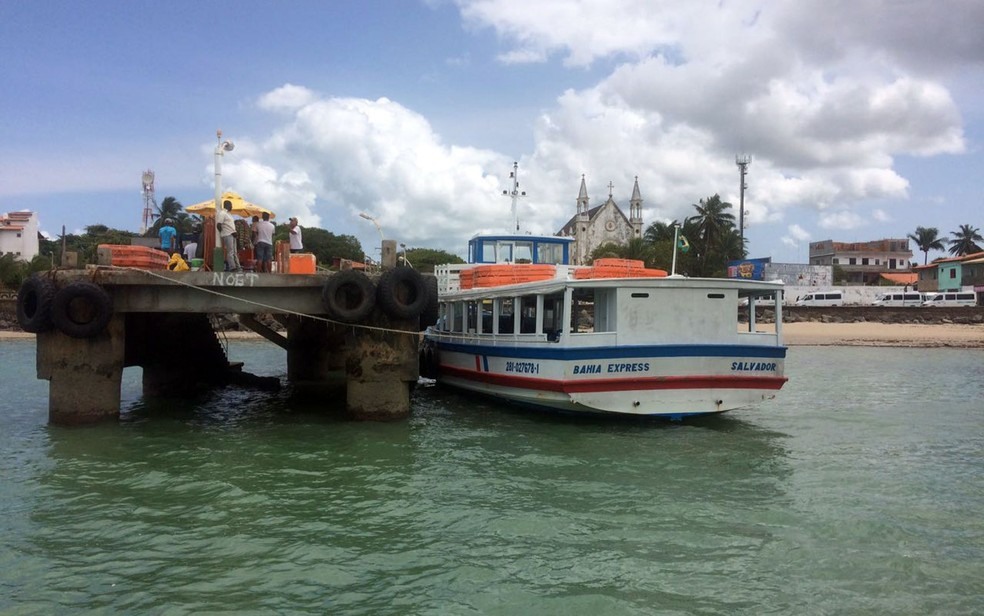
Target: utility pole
(742, 160)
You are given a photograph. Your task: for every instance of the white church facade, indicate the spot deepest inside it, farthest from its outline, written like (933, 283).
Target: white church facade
(592, 227)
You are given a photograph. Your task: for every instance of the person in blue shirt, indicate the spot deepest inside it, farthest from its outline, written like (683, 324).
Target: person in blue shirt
(168, 234)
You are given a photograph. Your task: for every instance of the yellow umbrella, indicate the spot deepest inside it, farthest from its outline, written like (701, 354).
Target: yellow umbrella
(240, 207)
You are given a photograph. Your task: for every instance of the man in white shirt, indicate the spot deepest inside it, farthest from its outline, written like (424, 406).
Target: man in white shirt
(296, 245)
(227, 233)
(264, 243)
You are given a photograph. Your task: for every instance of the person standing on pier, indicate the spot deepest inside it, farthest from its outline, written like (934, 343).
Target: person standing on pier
(227, 232)
(168, 233)
(264, 243)
(296, 243)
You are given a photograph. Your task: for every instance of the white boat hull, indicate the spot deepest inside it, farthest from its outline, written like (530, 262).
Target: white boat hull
(672, 381)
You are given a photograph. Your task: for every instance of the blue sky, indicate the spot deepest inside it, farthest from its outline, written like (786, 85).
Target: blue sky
(863, 119)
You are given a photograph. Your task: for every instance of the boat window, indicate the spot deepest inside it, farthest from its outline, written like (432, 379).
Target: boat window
(488, 252)
(442, 317)
(553, 315)
(506, 316)
(715, 296)
(640, 295)
(505, 252)
(583, 311)
(523, 252)
(454, 316)
(527, 318)
(472, 308)
(486, 321)
(550, 253)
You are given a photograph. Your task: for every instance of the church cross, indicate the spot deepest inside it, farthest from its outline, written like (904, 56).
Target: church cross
(611, 187)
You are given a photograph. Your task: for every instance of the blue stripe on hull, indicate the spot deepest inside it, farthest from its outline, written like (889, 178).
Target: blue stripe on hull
(618, 352)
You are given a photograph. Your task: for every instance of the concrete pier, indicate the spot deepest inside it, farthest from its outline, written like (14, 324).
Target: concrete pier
(160, 323)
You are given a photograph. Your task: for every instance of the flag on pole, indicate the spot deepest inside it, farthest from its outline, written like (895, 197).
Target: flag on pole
(683, 244)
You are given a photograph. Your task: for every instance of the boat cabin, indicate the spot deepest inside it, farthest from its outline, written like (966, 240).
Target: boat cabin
(547, 249)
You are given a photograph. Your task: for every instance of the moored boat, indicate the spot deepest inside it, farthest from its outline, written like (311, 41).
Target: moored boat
(611, 338)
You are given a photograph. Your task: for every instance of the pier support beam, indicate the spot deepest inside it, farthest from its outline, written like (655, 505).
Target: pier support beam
(380, 368)
(84, 374)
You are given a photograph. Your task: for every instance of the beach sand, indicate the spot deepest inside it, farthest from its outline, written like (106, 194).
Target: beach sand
(883, 334)
(822, 334)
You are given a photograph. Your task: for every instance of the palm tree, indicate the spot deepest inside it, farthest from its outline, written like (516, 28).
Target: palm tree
(169, 208)
(926, 238)
(660, 232)
(965, 241)
(711, 225)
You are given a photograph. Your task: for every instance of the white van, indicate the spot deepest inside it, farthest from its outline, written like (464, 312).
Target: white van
(951, 298)
(825, 298)
(899, 299)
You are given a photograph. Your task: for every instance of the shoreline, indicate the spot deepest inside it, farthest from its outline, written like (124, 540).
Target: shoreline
(806, 333)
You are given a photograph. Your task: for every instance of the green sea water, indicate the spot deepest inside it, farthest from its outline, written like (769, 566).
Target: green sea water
(859, 490)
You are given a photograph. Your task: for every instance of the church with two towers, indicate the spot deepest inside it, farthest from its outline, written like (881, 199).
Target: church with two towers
(594, 226)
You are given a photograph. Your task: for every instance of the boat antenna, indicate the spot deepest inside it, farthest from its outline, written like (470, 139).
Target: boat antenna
(515, 193)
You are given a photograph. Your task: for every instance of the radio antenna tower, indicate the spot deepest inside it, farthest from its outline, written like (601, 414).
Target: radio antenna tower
(515, 194)
(149, 201)
(742, 160)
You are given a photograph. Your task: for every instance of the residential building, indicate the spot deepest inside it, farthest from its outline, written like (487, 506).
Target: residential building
(953, 274)
(19, 235)
(863, 262)
(593, 226)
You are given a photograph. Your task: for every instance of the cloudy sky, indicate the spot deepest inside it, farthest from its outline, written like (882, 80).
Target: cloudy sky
(863, 118)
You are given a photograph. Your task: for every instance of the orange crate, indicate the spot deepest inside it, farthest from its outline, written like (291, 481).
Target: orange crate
(302, 263)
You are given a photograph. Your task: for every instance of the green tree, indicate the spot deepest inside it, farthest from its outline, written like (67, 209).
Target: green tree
(424, 259)
(85, 244)
(965, 241)
(927, 238)
(608, 250)
(325, 245)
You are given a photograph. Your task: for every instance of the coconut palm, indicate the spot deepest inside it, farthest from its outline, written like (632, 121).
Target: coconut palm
(660, 232)
(927, 238)
(965, 241)
(169, 208)
(711, 225)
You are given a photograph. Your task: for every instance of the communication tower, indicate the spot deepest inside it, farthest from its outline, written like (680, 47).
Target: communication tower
(149, 201)
(742, 160)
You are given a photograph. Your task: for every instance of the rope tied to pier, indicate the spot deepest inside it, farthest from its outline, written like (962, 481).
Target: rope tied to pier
(278, 309)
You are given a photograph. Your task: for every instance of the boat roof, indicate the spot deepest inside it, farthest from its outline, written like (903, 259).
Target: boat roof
(521, 237)
(745, 287)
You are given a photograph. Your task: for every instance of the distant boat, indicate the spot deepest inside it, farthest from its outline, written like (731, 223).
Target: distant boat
(520, 323)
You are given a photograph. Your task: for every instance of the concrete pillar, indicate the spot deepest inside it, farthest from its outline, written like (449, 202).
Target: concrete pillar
(84, 374)
(380, 368)
(388, 257)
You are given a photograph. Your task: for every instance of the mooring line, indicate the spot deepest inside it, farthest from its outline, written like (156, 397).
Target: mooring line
(262, 305)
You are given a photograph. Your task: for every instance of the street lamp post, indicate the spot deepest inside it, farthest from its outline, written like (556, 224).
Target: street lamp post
(373, 221)
(405, 259)
(218, 262)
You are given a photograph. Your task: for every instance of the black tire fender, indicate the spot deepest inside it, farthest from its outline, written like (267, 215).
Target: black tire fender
(401, 293)
(432, 309)
(348, 296)
(34, 304)
(81, 309)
